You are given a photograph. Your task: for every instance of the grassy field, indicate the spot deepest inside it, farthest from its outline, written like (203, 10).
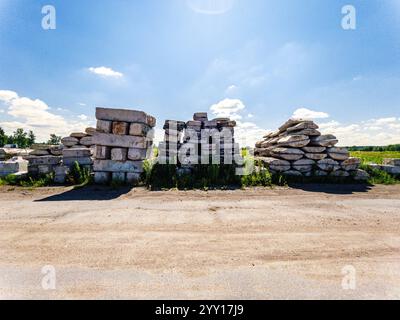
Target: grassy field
(375, 157)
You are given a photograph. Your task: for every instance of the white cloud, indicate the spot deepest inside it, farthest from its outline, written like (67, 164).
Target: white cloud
(228, 108)
(105, 72)
(83, 117)
(231, 89)
(374, 132)
(6, 95)
(305, 113)
(250, 116)
(35, 115)
(246, 133)
(82, 104)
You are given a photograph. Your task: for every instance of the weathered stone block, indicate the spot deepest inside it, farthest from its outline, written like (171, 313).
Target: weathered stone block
(138, 154)
(139, 129)
(69, 141)
(117, 166)
(52, 160)
(119, 154)
(104, 126)
(103, 152)
(78, 135)
(328, 165)
(82, 161)
(87, 141)
(112, 140)
(76, 153)
(124, 116)
(120, 128)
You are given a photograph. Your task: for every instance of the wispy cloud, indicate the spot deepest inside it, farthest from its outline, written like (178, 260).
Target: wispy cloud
(305, 113)
(105, 72)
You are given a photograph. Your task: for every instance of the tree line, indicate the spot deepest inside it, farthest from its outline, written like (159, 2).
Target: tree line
(24, 139)
(392, 147)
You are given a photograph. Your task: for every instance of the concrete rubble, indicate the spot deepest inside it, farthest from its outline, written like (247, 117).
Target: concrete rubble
(43, 159)
(123, 140)
(298, 148)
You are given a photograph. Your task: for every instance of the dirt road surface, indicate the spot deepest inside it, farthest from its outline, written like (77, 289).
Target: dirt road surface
(283, 243)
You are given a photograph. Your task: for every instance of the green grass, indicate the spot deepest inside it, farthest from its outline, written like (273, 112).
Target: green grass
(374, 157)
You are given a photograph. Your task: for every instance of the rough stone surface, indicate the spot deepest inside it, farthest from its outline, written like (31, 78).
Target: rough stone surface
(51, 160)
(275, 164)
(328, 140)
(104, 126)
(81, 160)
(133, 178)
(304, 165)
(351, 164)
(76, 153)
(87, 141)
(287, 153)
(303, 126)
(119, 154)
(137, 154)
(120, 128)
(339, 154)
(124, 116)
(328, 165)
(112, 140)
(361, 175)
(103, 152)
(78, 135)
(295, 141)
(69, 141)
(118, 177)
(139, 129)
(316, 156)
(392, 162)
(117, 166)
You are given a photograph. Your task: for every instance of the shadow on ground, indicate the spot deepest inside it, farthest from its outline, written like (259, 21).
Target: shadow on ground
(332, 188)
(99, 193)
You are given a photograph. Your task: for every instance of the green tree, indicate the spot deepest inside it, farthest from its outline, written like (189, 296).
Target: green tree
(3, 137)
(31, 138)
(20, 137)
(54, 139)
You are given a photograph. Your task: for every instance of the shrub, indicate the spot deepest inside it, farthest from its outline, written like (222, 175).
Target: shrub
(79, 175)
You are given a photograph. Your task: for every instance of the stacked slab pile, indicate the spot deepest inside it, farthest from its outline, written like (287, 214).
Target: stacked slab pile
(43, 159)
(15, 165)
(3, 155)
(391, 166)
(203, 142)
(123, 139)
(299, 149)
(169, 148)
(78, 147)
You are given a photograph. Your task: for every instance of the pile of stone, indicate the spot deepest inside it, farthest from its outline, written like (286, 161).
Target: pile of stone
(199, 141)
(123, 139)
(299, 149)
(15, 165)
(78, 147)
(169, 148)
(391, 166)
(43, 159)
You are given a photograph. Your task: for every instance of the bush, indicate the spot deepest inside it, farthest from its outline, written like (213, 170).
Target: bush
(379, 176)
(79, 175)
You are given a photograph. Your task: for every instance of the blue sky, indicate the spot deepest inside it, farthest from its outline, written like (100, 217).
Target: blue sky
(260, 61)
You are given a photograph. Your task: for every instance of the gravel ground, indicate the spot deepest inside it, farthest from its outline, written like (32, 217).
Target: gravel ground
(283, 243)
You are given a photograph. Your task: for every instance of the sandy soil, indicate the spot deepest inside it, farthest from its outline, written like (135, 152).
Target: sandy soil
(280, 243)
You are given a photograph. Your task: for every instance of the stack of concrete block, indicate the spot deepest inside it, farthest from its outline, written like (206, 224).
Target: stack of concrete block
(16, 165)
(78, 147)
(43, 159)
(123, 139)
(169, 148)
(299, 149)
(204, 141)
(391, 166)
